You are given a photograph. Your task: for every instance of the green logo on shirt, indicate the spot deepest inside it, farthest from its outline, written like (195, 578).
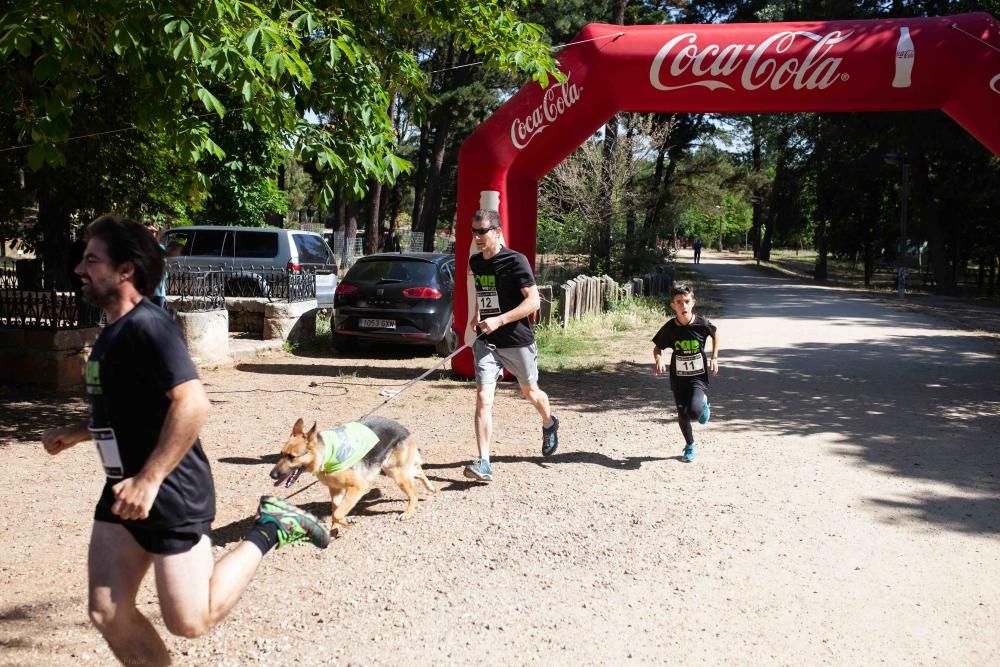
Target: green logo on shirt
(486, 283)
(689, 346)
(92, 376)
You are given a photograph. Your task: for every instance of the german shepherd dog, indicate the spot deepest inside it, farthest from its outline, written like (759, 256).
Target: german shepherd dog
(394, 455)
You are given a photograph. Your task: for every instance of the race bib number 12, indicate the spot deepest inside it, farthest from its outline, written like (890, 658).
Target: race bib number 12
(489, 303)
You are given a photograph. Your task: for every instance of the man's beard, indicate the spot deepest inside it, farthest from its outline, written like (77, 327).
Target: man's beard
(97, 298)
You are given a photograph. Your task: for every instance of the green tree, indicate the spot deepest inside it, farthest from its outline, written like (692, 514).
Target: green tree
(177, 61)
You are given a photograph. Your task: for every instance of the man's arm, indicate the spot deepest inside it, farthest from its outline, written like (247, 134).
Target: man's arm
(56, 440)
(528, 305)
(189, 407)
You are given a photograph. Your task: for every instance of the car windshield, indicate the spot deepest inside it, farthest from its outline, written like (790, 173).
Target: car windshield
(395, 269)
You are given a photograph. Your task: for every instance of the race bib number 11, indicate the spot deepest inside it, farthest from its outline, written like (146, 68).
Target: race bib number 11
(690, 364)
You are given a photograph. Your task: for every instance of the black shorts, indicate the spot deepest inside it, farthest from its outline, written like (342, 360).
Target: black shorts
(160, 541)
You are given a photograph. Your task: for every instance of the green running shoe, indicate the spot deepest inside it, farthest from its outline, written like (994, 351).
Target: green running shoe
(294, 524)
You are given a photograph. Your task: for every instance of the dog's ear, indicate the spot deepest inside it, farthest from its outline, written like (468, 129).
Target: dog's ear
(311, 432)
(297, 429)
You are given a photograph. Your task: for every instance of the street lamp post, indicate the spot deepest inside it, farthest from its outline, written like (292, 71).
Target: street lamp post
(904, 191)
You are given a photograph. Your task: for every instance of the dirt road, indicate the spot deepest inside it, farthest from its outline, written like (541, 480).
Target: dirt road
(843, 508)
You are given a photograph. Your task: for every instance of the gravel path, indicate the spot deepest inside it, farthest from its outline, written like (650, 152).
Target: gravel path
(843, 508)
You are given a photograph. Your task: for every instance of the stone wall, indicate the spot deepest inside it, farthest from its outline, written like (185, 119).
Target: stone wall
(55, 358)
(50, 358)
(206, 335)
(290, 321)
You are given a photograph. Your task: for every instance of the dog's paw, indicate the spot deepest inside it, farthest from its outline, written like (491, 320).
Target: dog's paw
(350, 520)
(404, 516)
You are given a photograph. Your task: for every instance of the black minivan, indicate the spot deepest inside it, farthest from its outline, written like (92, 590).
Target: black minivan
(396, 298)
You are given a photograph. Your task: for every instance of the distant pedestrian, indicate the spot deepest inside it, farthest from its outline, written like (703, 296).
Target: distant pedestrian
(684, 337)
(159, 295)
(697, 251)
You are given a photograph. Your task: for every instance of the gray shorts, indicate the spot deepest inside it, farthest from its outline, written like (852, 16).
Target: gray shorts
(491, 362)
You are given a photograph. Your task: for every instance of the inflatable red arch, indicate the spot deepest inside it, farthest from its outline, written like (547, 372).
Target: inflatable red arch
(949, 63)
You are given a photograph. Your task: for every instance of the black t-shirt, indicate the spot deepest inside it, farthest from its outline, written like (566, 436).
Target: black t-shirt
(134, 363)
(688, 362)
(498, 289)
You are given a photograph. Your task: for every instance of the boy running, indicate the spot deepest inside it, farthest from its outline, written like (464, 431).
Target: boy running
(684, 337)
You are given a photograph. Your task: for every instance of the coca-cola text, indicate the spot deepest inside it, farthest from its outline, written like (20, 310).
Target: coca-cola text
(557, 99)
(816, 71)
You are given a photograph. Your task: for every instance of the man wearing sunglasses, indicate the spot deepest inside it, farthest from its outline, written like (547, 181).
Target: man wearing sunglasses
(506, 296)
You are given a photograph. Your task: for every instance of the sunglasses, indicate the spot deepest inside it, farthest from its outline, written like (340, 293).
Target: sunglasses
(480, 231)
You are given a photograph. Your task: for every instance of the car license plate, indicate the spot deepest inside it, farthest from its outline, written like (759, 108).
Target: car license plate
(378, 324)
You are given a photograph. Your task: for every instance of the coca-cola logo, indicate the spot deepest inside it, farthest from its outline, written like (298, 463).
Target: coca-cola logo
(557, 99)
(816, 71)
(905, 53)
(995, 84)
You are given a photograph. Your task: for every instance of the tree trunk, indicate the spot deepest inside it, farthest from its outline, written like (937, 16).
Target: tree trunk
(373, 235)
(54, 221)
(920, 192)
(618, 11)
(420, 176)
(756, 137)
(432, 198)
(375, 195)
(600, 257)
(765, 243)
(820, 272)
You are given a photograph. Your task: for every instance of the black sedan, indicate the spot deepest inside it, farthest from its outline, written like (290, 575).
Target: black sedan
(396, 298)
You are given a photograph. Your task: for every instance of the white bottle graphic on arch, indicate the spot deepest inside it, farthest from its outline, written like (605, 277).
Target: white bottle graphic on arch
(489, 200)
(904, 60)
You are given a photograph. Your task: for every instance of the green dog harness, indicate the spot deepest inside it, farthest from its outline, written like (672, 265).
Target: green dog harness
(346, 445)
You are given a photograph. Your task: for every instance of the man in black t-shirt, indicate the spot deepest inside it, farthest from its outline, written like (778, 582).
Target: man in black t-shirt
(147, 407)
(506, 296)
(684, 336)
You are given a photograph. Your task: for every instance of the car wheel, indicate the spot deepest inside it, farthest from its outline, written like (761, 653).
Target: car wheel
(342, 343)
(448, 344)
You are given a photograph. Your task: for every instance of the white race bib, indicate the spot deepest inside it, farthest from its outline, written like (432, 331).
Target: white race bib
(489, 303)
(107, 448)
(689, 364)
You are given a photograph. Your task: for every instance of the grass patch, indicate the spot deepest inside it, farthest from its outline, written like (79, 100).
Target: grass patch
(584, 343)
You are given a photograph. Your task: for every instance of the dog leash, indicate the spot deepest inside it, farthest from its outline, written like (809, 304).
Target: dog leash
(401, 390)
(420, 377)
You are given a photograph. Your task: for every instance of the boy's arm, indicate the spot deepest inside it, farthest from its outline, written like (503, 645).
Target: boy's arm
(714, 361)
(659, 362)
